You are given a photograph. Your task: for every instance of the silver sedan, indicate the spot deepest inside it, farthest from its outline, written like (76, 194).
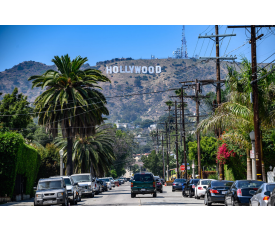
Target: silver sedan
(261, 196)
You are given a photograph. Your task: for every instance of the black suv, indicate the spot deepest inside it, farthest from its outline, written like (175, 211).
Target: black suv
(189, 188)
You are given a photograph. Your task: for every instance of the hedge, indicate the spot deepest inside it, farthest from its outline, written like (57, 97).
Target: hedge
(16, 158)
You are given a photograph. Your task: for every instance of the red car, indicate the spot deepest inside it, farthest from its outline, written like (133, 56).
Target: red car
(116, 183)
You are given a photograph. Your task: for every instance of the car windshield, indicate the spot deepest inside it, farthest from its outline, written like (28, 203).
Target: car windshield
(81, 178)
(205, 182)
(249, 184)
(180, 180)
(67, 181)
(143, 177)
(221, 183)
(49, 185)
(270, 187)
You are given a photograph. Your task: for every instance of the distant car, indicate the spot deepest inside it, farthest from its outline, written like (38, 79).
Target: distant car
(108, 182)
(162, 181)
(51, 191)
(239, 193)
(158, 183)
(121, 180)
(98, 186)
(262, 195)
(201, 187)
(177, 184)
(74, 195)
(112, 181)
(188, 188)
(216, 191)
(104, 185)
(143, 183)
(85, 183)
(116, 182)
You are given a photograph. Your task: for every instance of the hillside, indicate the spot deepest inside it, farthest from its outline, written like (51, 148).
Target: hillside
(129, 108)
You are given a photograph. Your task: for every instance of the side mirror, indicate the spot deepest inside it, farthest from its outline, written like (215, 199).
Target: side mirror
(75, 184)
(267, 193)
(252, 192)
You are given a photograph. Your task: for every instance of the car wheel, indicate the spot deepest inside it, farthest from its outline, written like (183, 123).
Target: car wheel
(155, 194)
(208, 203)
(173, 190)
(160, 191)
(65, 203)
(198, 197)
(133, 195)
(232, 201)
(73, 201)
(190, 194)
(183, 194)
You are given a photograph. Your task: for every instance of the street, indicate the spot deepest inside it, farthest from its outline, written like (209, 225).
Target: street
(120, 196)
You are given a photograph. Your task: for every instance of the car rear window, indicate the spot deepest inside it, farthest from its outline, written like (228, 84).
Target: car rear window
(143, 177)
(180, 180)
(221, 183)
(195, 181)
(270, 187)
(249, 184)
(205, 182)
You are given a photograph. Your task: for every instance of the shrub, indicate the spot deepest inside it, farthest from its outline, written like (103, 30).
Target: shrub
(16, 158)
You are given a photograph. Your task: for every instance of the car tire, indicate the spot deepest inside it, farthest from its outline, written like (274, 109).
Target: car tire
(133, 195)
(65, 203)
(173, 190)
(198, 197)
(232, 201)
(73, 201)
(208, 203)
(155, 194)
(190, 194)
(184, 194)
(160, 191)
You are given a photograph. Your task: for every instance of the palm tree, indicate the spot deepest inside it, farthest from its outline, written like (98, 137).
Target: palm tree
(72, 100)
(95, 151)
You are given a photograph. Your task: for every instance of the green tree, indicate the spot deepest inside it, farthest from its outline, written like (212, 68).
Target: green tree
(17, 107)
(71, 100)
(135, 168)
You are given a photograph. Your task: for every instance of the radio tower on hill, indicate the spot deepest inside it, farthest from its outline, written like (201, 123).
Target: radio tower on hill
(184, 54)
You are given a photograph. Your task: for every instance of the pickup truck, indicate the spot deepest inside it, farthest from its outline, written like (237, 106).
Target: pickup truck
(85, 182)
(143, 183)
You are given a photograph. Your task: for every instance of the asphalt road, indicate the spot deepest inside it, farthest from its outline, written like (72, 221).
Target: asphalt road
(120, 196)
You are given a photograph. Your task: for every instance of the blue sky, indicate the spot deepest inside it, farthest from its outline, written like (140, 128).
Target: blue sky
(99, 43)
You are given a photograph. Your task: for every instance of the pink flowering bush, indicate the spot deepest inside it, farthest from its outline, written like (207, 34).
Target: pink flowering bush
(224, 153)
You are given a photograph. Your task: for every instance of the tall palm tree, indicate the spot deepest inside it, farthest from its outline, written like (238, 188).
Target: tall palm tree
(72, 100)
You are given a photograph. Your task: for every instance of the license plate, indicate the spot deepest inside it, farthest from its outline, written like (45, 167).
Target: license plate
(223, 192)
(143, 189)
(49, 202)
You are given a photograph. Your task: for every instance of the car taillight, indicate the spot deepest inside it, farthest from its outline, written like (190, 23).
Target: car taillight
(193, 186)
(239, 192)
(255, 189)
(132, 185)
(154, 184)
(200, 188)
(158, 183)
(266, 198)
(174, 184)
(214, 191)
(95, 185)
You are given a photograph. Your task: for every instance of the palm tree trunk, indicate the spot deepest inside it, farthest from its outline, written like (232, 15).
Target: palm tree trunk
(69, 166)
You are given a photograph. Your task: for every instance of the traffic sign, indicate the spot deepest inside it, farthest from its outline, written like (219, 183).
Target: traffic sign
(182, 167)
(188, 167)
(252, 155)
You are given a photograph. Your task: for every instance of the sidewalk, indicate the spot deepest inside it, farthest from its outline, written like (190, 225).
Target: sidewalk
(28, 202)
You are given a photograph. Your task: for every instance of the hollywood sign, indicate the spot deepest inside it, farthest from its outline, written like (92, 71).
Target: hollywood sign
(133, 69)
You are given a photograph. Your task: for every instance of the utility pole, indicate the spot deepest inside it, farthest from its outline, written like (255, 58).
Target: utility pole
(183, 133)
(177, 143)
(157, 141)
(167, 145)
(255, 97)
(197, 89)
(163, 158)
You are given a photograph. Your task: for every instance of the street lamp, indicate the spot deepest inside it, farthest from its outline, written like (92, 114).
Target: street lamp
(252, 156)
(61, 162)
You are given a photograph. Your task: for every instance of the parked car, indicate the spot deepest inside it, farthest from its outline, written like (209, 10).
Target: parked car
(117, 182)
(72, 189)
(158, 183)
(271, 200)
(98, 186)
(162, 181)
(112, 181)
(177, 184)
(51, 191)
(143, 183)
(201, 187)
(188, 188)
(104, 185)
(262, 195)
(216, 191)
(239, 194)
(121, 180)
(108, 182)
(85, 182)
